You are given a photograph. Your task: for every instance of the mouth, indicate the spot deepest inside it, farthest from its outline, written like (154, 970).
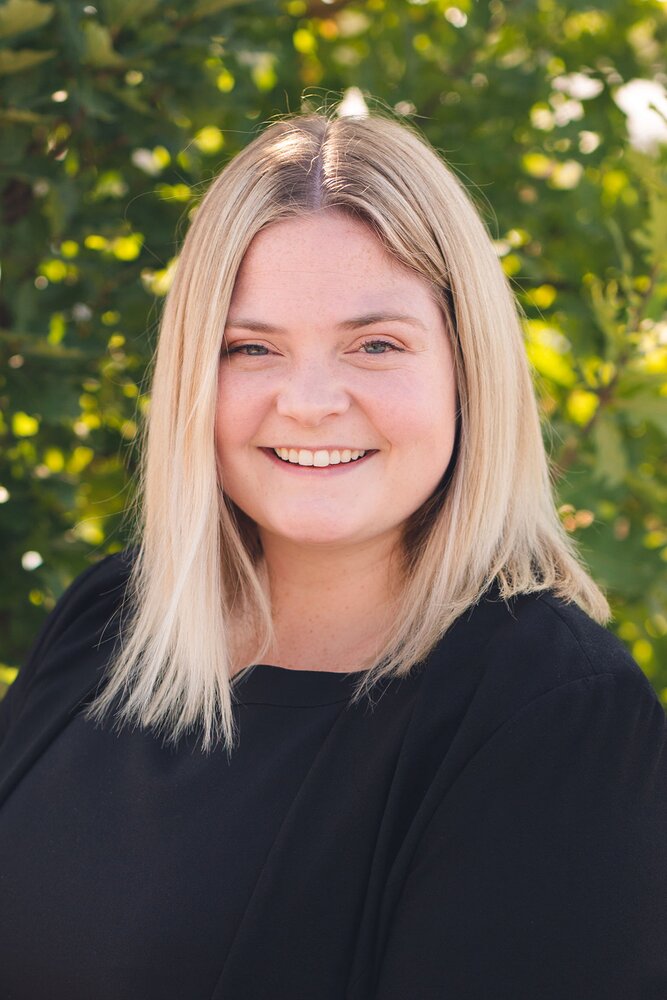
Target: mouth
(320, 458)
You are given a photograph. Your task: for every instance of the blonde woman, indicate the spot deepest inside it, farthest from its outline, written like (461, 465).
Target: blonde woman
(344, 722)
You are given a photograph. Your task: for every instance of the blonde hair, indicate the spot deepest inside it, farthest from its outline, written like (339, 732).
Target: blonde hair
(198, 563)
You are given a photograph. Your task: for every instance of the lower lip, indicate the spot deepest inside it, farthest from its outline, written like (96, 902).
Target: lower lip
(314, 470)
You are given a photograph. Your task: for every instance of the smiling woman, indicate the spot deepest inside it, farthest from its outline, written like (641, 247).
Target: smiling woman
(325, 295)
(443, 776)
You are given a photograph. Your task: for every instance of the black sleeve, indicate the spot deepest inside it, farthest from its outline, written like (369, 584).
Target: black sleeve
(69, 606)
(543, 874)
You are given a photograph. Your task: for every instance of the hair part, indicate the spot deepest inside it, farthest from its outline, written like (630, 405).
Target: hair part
(198, 563)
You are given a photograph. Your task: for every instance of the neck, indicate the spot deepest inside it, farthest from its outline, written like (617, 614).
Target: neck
(332, 607)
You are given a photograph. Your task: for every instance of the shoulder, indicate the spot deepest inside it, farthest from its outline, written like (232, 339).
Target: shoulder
(95, 592)
(533, 680)
(592, 648)
(85, 619)
(540, 636)
(502, 658)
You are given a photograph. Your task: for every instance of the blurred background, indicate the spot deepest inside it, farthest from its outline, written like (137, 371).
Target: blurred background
(115, 115)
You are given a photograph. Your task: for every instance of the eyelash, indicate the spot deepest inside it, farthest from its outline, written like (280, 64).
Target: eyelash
(243, 347)
(385, 343)
(367, 343)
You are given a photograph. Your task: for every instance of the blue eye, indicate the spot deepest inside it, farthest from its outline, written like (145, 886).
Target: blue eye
(249, 350)
(379, 347)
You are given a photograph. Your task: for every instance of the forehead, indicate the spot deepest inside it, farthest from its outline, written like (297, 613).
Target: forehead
(323, 259)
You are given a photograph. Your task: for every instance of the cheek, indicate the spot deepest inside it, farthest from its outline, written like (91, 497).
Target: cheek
(239, 411)
(419, 416)
(425, 443)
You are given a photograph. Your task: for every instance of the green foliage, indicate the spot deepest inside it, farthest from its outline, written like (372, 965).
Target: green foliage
(17, 16)
(114, 117)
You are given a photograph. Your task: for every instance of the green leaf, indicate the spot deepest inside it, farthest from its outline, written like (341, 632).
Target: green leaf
(60, 205)
(118, 13)
(30, 346)
(21, 116)
(606, 301)
(16, 62)
(610, 460)
(23, 15)
(98, 48)
(649, 407)
(205, 8)
(623, 566)
(653, 236)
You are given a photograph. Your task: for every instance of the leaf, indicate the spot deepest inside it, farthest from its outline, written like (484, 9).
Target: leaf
(118, 13)
(550, 364)
(624, 255)
(651, 408)
(205, 8)
(98, 47)
(7, 674)
(23, 15)
(61, 204)
(606, 303)
(30, 346)
(16, 62)
(622, 566)
(21, 116)
(653, 236)
(610, 461)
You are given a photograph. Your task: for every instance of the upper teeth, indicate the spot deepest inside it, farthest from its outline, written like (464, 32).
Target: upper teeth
(320, 458)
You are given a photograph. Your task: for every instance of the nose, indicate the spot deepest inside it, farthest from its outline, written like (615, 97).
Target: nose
(311, 393)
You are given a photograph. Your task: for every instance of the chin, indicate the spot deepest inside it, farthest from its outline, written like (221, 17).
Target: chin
(320, 531)
(318, 536)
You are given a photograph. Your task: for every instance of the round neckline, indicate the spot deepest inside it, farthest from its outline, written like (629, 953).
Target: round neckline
(267, 684)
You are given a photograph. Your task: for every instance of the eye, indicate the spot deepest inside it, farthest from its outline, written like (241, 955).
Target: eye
(379, 347)
(248, 350)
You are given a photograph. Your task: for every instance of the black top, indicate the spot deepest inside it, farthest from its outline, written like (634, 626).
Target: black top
(493, 827)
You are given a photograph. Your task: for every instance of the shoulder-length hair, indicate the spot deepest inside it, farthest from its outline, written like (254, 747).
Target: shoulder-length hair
(198, 564)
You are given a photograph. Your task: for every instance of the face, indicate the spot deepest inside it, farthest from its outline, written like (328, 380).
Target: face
(336, 396)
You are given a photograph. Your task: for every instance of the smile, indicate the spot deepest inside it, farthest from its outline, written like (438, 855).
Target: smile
(321, 458)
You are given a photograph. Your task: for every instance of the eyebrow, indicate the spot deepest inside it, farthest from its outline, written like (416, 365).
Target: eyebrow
(368, 319)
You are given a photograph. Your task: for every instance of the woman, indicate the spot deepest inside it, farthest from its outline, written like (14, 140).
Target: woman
(400, 758)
